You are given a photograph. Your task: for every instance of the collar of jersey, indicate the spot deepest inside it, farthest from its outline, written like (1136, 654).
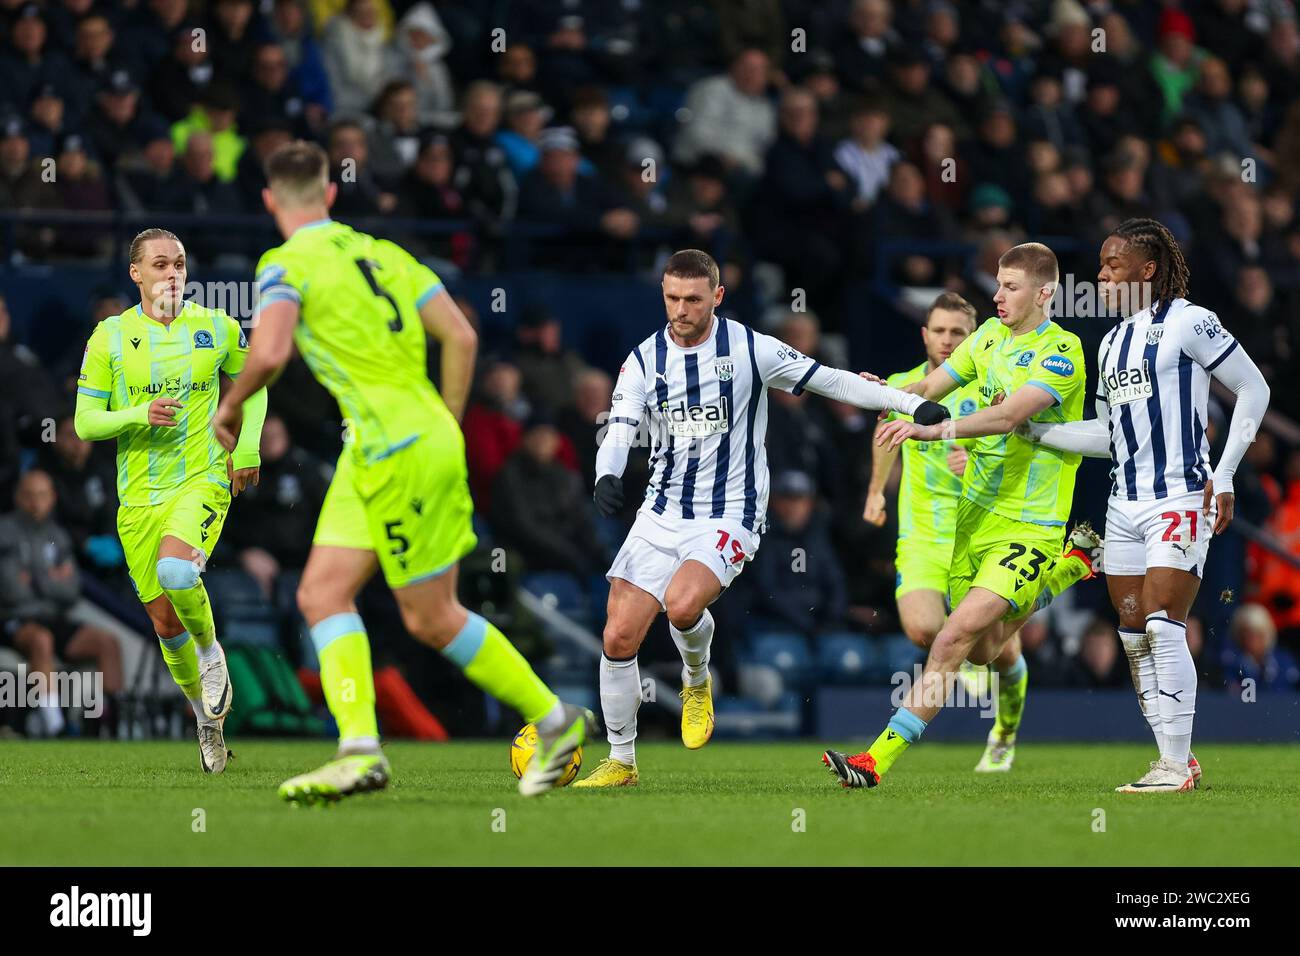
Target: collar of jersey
(315, 222)
(713, 334)
(138, 312)
(1019, 341)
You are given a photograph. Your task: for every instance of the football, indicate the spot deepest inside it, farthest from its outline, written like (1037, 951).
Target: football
(524, 746)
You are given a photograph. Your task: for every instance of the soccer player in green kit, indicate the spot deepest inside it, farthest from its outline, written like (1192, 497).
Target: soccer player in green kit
(150, 379)
(358, 309)
(928, 496)
(1015, 500)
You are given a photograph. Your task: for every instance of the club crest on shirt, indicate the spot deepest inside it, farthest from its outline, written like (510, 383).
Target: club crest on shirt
(1154, 334)
(1024, 359)
(203, 339)
(724, 367)
(967, 406)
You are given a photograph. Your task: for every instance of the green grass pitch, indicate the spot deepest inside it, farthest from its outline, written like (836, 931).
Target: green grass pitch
(74, 803)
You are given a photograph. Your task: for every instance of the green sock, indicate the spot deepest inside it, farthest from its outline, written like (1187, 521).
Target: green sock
(1011, 698)
(1066, 572)
(182, 662)
(492, 663)
(345, 675)
(903, 729)
(195, 612)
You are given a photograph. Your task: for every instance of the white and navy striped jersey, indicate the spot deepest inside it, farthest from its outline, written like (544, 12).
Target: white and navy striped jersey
(1155, 377)
(705, 411)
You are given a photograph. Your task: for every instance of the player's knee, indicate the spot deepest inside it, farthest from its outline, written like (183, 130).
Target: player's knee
(683, 610)
(177, 574)
(619, 641)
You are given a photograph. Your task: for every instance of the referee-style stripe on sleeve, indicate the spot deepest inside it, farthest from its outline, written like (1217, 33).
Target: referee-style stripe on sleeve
(1049, 390)
(92, 392)
(1226, 352)
(947, 367)
(427, 294)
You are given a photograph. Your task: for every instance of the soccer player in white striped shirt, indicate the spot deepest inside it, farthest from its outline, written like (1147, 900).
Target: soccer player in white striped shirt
(1166, 504)
(700, 385)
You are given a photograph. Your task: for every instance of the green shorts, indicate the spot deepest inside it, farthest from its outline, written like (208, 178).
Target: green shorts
(922, 565)
(196, 514)
(412, 508)
(1008, 557)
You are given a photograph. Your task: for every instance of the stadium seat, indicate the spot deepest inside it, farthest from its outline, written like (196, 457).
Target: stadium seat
(845, 658)
(897, 654)
(787, 652)
(559, 590)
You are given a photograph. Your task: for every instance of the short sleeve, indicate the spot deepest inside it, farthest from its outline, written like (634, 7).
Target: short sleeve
(237, 344)
(96, 377)
(781, 366)
(961, 363)
(278, 280)
(421, 282)
(1203, 337)
(1060, 371)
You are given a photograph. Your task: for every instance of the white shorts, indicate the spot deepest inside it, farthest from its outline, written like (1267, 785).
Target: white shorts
(656, 547)
(1164, 533)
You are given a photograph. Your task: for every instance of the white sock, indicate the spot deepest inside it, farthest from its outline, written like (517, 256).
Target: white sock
(197, 704)
(359, 745)
(693, 644)
(554, 719)
(1142, 666)
(1176, 682)
(207, 654)
(620, 699)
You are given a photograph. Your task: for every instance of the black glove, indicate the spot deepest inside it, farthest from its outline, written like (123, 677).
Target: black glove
(609, 495)
(930, 413)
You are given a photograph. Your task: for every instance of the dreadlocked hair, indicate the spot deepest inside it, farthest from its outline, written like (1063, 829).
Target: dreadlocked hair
(1160, 246)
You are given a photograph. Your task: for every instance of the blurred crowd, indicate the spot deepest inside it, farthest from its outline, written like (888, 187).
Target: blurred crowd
(808, 144)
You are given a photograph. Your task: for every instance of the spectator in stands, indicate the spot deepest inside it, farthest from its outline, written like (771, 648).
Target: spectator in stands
(1178, 175)
(906, 213)
(154, 182)
(912, 101)
(801, 221)
(272, 93)
(62, 17)
(525, 117)
(117, 124)
(701, 207)
(1049, 116)
(833, 104)
(84, 476)
(555, 193)
(547, 369)
(730, 116)
(176, 83)
(1177, 59)
(325, 11)
(30, 394)
(865, 155)
(274, 519)
(1211, 105)
(21, 185)
(799, 583)
(421, 48)
(307, 70)
(80, 187)
(39, 585)
(48, 120)
(493, 426)
(208, 194)
(799, 438)
(591, 121)
(428, 191)
(969, 87)
(639, 184)
(359, 195)
(542, 509)
(1122, 194)
(265, 136)
(232, 35)
(95, 58)
(148, 30)
(997, 155)
(215, 113)
(862, 51)
(517, 68)
(30, 61)
(1099, 662)
(483, 173)
(357, 58)
(395, 136)
(1103, 115)
(583, 422)
(1254, 654)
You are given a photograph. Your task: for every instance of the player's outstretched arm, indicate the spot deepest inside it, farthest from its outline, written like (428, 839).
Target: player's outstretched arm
(443, 319)
(1090, 437)
(1000, 419)
(94, 422)
(619, 435)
